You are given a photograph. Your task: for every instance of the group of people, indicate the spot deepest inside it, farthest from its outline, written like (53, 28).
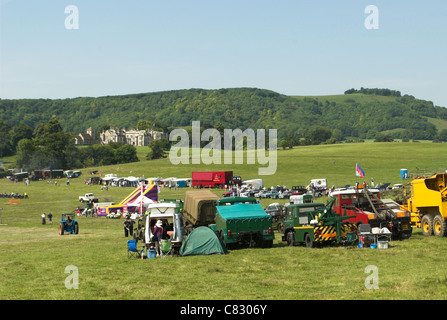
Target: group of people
(49, 216)
(13, 195)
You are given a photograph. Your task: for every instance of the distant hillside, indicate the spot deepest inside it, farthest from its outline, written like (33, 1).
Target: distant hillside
(350, 115)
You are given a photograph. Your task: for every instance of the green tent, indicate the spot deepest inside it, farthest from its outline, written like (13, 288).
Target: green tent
(202, 241)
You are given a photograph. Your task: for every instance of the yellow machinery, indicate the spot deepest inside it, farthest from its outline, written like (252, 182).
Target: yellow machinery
(428, 204)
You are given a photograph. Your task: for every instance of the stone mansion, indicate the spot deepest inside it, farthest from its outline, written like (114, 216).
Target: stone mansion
(133, 137)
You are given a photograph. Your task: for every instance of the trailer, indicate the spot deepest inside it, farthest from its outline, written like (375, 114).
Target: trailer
(214, 179)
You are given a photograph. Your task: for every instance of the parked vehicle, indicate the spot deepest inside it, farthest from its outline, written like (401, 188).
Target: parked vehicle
(297, 190)
(88, 197)
(199, 208)
(241, 220)
(427, 204)
(366, 207)
(315, 224)
(275, 210)
(302, 198)
(172, 221)
(273, 194)
(285, 195)
(214, 179)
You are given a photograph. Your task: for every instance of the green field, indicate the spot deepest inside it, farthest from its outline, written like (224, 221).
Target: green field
(34, 257)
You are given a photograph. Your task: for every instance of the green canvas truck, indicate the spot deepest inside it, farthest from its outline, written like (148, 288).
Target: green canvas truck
(242, 220)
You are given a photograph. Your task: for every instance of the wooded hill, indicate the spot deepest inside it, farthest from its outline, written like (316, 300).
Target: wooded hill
(357, 113)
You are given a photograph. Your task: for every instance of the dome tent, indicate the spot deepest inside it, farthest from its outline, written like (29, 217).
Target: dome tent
(202, 241)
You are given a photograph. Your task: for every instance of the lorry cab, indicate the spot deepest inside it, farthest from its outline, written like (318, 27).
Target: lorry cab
(355, 203)
(299, 217)
(366, 207)
(172, 221)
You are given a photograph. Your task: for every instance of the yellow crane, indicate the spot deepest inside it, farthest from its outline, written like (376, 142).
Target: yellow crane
(427, 204)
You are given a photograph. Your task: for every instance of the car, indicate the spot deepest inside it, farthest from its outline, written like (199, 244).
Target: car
(260, 194)
(285, 195)
(230, 193)
(276, 210)
(271, 194)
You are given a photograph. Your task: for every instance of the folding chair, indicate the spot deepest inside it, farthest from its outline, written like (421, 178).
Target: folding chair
(132, 250)
(365, 234)
(165, 248)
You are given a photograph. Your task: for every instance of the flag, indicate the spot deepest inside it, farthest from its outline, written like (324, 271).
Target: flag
(359, 171)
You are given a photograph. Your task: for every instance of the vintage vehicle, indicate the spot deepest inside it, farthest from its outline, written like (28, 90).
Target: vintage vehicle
(301, 198)
(427, 204)
(68, 224)
(273, 194)
(241, 220)
(285, 194)
(315, 224)
(365, 206)
(172, 221)
(88, 197)
(199, 208)
(275, 210)
(214, 179)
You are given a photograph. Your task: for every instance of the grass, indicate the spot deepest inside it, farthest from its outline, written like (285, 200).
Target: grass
(34, 257)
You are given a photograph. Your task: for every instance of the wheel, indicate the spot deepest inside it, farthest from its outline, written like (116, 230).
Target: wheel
(61, 229)
(76, 228)
(308, 241)
(439, 226)
(290, 238)
(427, 225)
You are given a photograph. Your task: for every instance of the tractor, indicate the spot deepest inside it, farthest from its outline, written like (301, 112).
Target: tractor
(68, 224)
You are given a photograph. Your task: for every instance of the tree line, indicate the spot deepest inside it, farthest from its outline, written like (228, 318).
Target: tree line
(299, 120)
(49, 147)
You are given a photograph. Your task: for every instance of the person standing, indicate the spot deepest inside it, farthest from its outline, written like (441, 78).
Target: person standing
(43, 218)
(128, 227)
(50, 218)
(157, 235)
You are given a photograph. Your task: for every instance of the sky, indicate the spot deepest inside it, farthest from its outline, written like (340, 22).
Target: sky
(293, 47)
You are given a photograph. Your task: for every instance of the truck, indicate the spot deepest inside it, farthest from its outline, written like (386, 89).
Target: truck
(214, 179)
(88, 197)
(199, 208)
(172, 221)
(242, 220)
(365, 206)
(317, 224)
(427, 204)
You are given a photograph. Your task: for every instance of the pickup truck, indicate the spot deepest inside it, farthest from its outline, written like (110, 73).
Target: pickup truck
(88, 197)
